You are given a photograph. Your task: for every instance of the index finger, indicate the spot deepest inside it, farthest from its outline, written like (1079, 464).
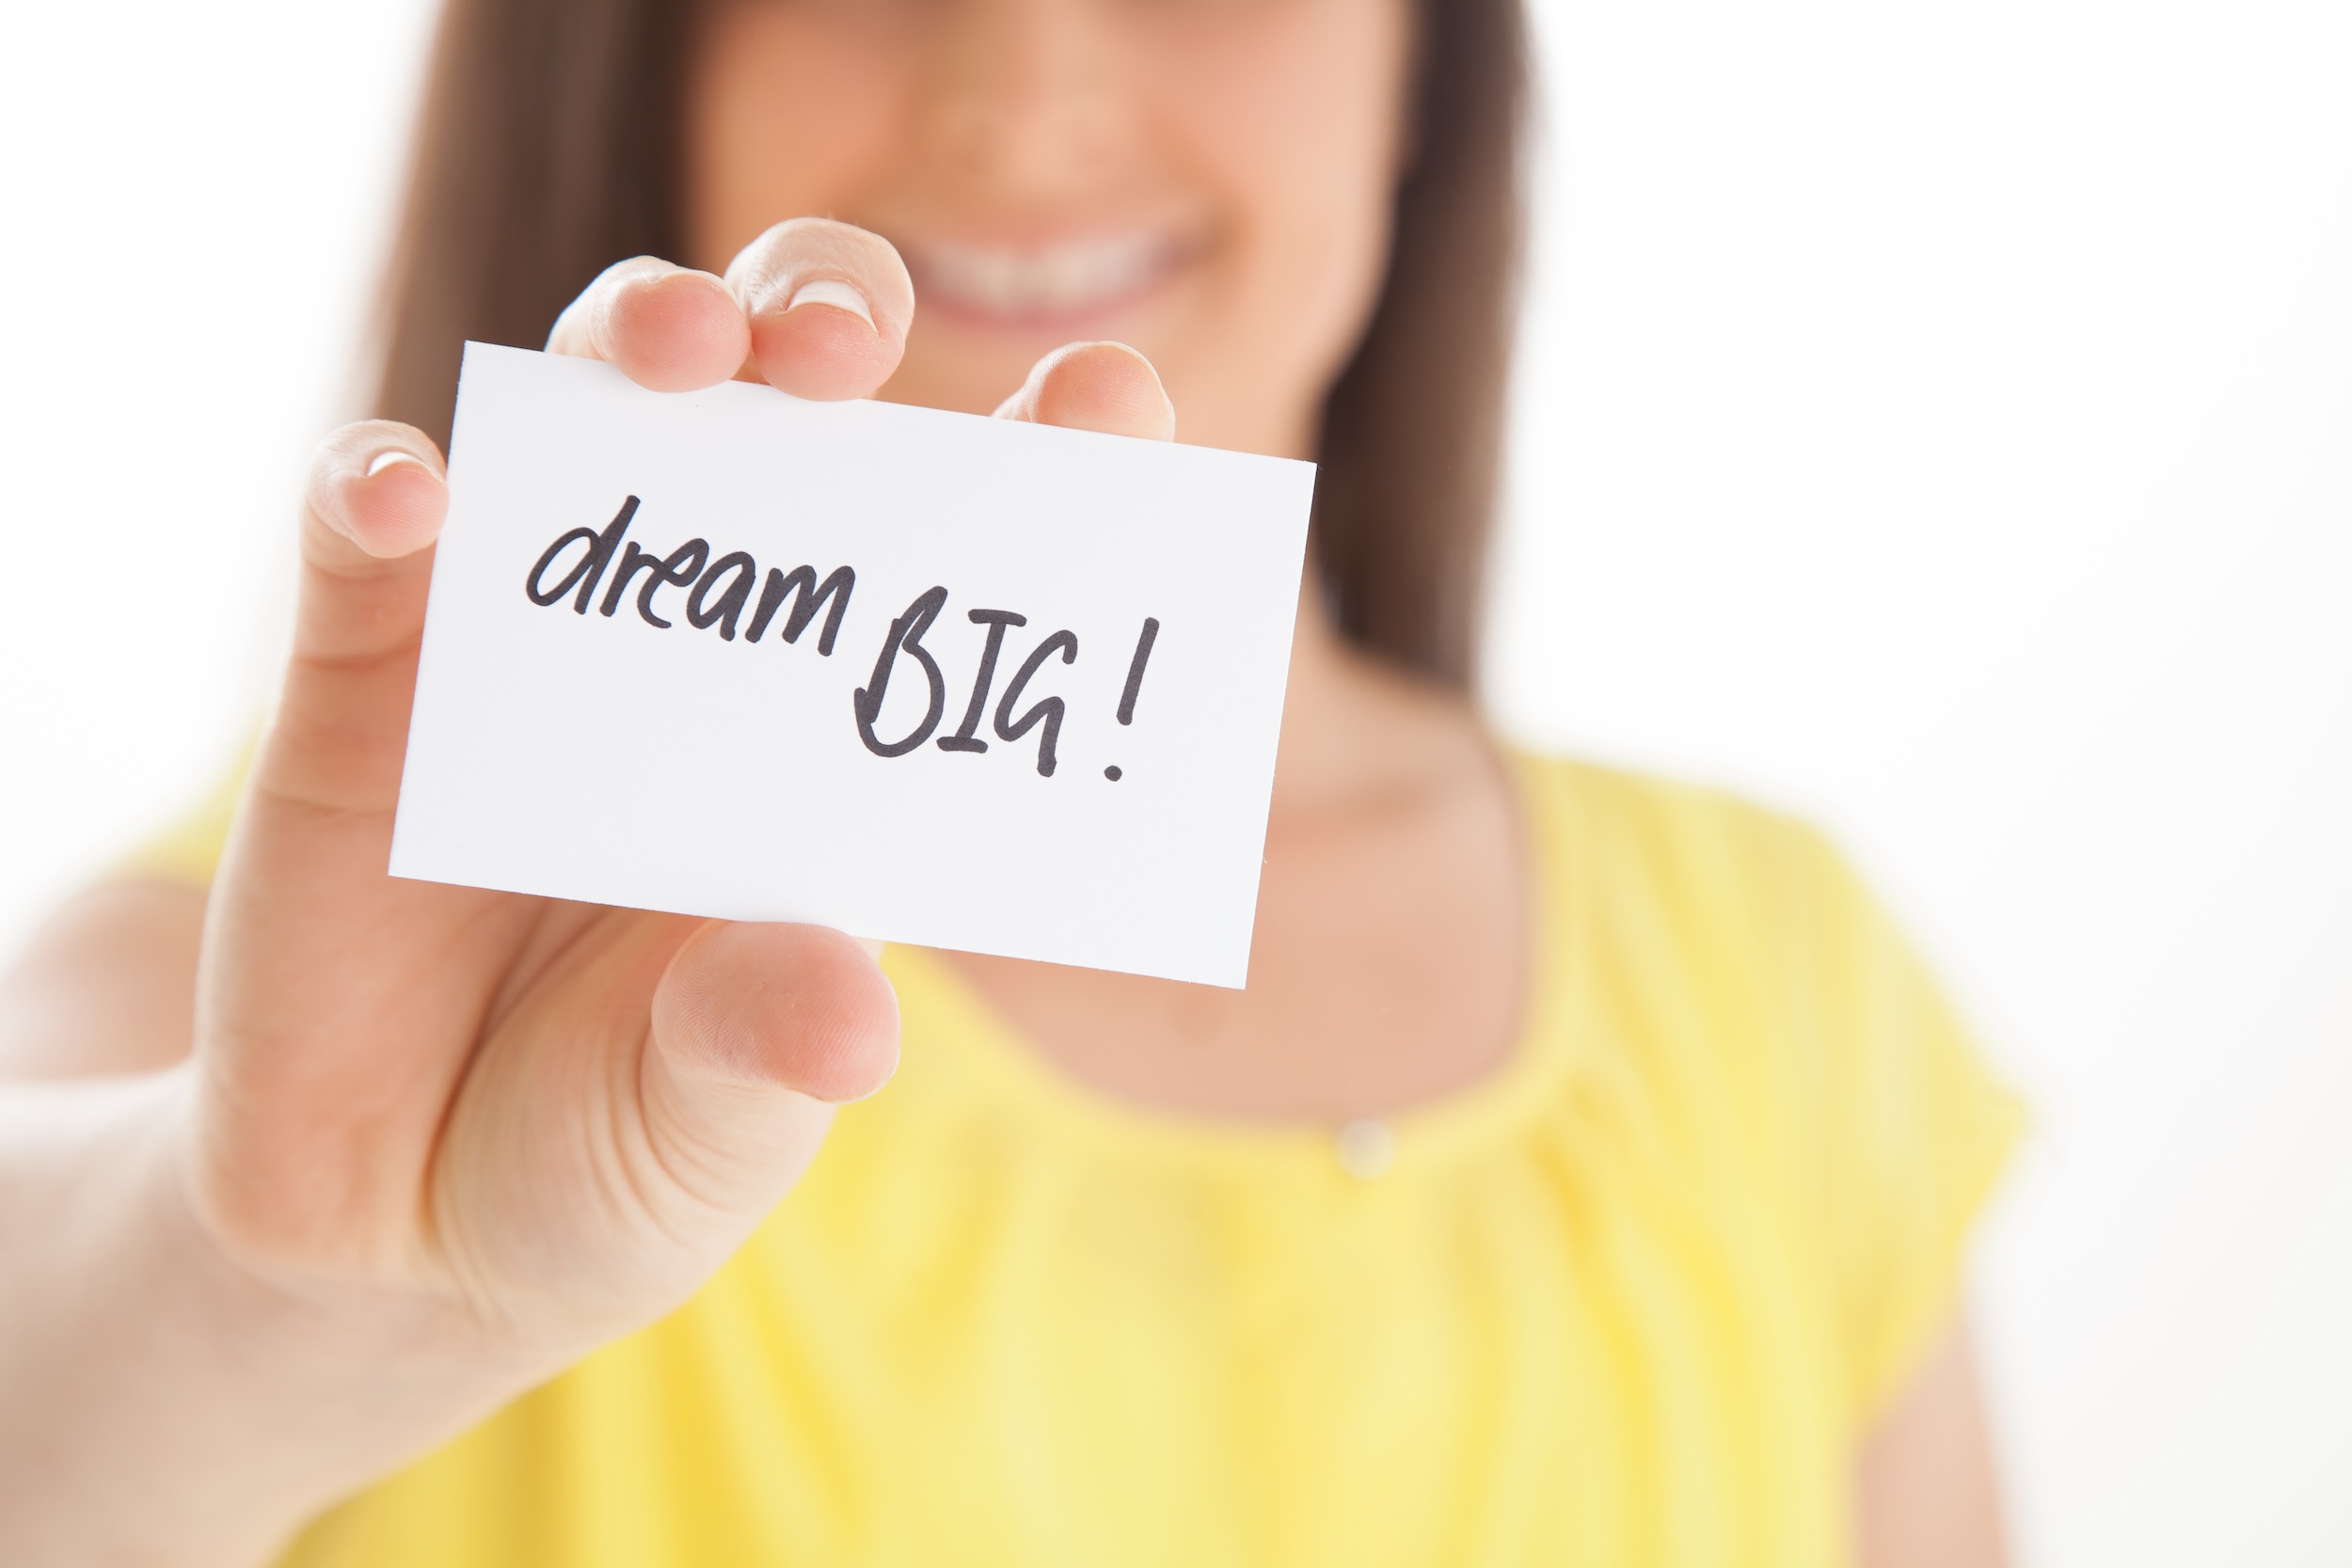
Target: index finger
(666, 327)
(829, 304)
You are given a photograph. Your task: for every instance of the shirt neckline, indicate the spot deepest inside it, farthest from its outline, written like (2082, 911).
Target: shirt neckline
(1437, 1130)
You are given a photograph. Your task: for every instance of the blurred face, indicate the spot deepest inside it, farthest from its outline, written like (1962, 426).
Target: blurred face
(1208, 181)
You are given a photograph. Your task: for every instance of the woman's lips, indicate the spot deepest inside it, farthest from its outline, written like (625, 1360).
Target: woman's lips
(1040, 283)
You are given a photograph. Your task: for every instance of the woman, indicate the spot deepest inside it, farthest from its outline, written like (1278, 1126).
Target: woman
(1580, 1178)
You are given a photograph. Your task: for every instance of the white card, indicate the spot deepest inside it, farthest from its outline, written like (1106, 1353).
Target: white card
(1137, 597)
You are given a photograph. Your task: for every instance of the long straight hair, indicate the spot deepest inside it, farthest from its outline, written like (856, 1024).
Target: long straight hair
(549, 147)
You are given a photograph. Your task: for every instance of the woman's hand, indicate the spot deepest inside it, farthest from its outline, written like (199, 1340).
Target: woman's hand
(435, 1143)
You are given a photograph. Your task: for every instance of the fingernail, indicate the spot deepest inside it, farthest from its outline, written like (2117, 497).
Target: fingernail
(384, 460)
(833, 292)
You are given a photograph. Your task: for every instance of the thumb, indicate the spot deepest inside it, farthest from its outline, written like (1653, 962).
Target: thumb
(757, 1031)
(1101, 387)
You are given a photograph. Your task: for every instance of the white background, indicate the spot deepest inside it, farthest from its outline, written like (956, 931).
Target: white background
(1937, 419)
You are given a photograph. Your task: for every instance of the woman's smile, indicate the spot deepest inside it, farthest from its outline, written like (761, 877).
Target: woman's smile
(1060, 282)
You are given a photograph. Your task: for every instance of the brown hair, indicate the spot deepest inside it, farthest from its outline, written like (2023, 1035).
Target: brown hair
(548, 148)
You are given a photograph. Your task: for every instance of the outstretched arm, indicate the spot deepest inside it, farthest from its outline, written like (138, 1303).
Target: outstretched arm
(1925, 1492)
(427, 1144)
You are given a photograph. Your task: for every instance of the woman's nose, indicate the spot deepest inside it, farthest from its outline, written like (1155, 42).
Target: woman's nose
(1029, 94)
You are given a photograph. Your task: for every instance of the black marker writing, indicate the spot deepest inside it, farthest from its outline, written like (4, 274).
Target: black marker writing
(719, 593)
(716, 596)
(591, 565)
(1050, 711)
(631, 558)
(905, 635)
(803, 578)
(1135, 671)
(739, 571)
(680, 566)
(964, 740)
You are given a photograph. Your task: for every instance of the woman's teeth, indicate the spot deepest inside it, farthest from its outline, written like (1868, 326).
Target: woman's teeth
(1065, 278)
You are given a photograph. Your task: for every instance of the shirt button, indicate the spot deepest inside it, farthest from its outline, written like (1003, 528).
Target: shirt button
(1366, 1148)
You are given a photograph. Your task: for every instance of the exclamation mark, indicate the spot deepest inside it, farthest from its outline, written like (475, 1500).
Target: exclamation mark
(1134, 682)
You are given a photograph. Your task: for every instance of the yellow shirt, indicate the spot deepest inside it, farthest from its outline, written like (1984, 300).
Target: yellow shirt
(1631, 1300)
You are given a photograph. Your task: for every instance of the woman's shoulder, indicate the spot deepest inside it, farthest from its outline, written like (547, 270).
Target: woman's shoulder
(1693, 853)
(1730, 945)
(1733, 981)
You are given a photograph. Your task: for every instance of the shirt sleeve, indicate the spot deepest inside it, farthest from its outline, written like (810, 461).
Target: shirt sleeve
(1915, 1129)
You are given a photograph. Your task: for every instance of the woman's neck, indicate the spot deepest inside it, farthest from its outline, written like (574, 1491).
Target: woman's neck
(1389, 952)
(1355, 726)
